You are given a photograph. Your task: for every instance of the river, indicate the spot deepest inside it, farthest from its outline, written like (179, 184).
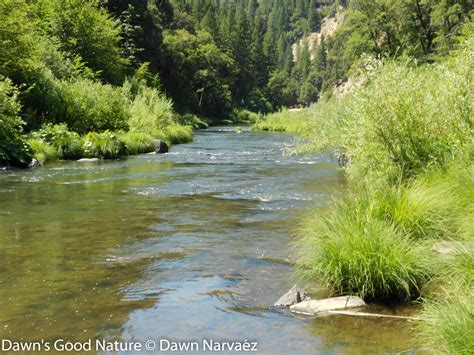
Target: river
(185, 246)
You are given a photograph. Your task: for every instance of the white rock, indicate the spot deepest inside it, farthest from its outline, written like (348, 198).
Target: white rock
(88, 160)
(313, 307)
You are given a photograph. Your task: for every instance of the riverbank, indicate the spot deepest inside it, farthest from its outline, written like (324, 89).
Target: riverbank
(408, 137)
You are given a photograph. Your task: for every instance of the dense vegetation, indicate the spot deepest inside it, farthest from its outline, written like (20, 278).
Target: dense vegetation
(120, 64)
(408, 135)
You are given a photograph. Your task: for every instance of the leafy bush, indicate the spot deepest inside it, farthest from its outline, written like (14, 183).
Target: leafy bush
(105, 145)
(43, 151)
(68, 144)
(13, 149)
(86, 106)
(137, 143)
(353, 252)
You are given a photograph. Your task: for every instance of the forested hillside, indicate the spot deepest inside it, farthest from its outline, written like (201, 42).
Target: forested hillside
(142, 66)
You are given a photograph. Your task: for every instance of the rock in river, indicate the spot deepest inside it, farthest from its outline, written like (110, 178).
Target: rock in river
(293, 296)
(313, 307)
(34, 163)
(160, 146)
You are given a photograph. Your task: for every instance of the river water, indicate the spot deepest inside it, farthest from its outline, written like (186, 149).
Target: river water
(185, 246)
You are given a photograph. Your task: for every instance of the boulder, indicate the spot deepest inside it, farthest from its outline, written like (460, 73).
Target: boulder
(160, 146)
(34, 163)
(314, 307)
(293, 296)
(88, 160)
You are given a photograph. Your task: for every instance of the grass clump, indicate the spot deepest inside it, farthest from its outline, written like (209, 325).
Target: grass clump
(417, 209)
(353, 252)
(43, 151)
(448, 325)
(137, 143)
(105, 145)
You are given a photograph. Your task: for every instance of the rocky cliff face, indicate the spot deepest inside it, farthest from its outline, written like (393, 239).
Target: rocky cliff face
(328, 26)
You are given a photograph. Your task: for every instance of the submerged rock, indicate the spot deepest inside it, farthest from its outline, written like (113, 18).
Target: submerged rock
(35, 163)
(88, 160)
(160, 147)
(450, 247)
(314, 307)
(293, 296)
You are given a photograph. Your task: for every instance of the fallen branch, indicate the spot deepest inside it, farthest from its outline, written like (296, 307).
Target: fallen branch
(375, 315)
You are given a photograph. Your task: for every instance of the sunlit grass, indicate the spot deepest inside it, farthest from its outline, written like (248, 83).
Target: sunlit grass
(352, 251)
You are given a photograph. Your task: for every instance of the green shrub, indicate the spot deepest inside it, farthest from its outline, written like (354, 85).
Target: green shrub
(150, 110)
(68, 144)
(137, 143)
(13, 149)
(105, 145)
(85, 105)
(352, 252)
(43, 151)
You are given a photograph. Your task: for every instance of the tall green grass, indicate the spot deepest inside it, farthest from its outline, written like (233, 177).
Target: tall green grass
(448, 315)
(352, 249)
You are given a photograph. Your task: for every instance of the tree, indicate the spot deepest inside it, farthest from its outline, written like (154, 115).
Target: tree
(197, 73)
(89, 32)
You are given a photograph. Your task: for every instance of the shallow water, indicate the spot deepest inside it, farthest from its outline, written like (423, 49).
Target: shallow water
(170, 247)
